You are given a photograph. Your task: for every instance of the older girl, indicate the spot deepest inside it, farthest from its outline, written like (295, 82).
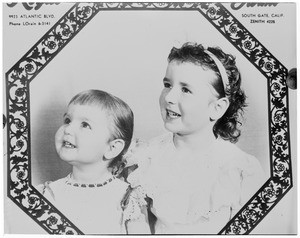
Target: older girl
(195, 175)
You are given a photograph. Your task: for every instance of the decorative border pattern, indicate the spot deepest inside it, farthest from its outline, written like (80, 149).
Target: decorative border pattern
(30, 65)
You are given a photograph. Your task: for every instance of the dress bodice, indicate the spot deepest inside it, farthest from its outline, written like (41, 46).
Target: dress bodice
(94, 210)
(198, 193)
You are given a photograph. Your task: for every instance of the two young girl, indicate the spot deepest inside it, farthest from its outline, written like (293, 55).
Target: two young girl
(194, 178)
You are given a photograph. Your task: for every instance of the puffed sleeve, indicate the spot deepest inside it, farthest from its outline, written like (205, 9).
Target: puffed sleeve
(253, 177)
(240, 176)
(137, 163)
(135, 217)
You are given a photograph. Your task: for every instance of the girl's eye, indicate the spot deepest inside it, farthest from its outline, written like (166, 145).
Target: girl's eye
(67, 121)
(185, 90)
(167, 85)
(85, 125)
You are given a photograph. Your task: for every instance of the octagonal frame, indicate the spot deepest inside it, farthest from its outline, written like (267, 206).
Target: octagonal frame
(18, 78)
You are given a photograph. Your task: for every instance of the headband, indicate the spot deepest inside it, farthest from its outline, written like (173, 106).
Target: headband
(220, 67)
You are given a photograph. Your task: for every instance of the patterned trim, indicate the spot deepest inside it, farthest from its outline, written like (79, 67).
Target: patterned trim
(30, 65)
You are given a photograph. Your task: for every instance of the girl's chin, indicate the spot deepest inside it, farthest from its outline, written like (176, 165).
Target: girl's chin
(67, 159)
(66, 156)
(172, 128)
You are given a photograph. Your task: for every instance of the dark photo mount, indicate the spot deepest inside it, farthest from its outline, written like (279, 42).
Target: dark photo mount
(19, 77)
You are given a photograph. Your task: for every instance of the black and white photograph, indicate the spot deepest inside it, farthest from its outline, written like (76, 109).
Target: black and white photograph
(162, 118)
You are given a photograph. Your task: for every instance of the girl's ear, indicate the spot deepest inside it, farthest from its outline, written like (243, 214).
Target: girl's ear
(115, 147)
(218, 108)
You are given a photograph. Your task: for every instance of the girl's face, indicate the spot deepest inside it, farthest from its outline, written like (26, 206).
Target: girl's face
(84, 136)
(186, 100)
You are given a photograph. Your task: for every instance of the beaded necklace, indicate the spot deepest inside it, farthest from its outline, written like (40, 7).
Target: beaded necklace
(88, 185)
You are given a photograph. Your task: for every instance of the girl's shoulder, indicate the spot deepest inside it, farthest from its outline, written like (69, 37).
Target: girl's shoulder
(239, 176)
(142, 153)
(160, 145)
(49, 188)
(57, 189)
(237, 165)
(53, 184)
(120, 185)
(229, 154)
(161, 140)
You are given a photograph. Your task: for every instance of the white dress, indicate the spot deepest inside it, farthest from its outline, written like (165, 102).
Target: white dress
(196, 194)
(94, 210)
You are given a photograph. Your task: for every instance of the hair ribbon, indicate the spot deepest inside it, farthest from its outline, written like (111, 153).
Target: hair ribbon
(220, 67)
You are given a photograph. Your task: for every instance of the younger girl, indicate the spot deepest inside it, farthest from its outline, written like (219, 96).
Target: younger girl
(196, 177)
(96, 133)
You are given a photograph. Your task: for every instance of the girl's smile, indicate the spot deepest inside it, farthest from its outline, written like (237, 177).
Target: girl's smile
(172, 115)
(68, 145)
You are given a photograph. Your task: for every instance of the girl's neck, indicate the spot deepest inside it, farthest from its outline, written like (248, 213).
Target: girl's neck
(195, 142)
(90, 173)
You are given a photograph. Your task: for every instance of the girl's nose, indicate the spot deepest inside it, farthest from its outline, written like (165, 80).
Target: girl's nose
(69, 129)
(172, 96)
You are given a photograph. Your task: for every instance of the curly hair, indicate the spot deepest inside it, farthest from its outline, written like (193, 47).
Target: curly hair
(226, 127)
(120, 116)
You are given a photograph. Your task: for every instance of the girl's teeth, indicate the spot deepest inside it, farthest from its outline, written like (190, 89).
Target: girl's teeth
(68, 145)
(173, 114)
